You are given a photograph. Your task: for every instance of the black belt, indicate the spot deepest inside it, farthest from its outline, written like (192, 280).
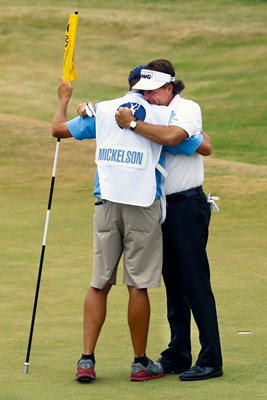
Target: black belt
(100, 201)
(172, 198)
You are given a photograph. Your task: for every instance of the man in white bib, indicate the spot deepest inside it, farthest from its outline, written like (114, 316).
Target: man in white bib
(126, 220)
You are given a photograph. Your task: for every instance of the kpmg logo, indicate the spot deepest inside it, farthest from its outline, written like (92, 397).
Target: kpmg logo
(147, 75)
(137, 109)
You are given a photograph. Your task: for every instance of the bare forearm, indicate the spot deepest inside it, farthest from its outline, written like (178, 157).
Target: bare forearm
(164, 135)
(205, 149)
(59, 124)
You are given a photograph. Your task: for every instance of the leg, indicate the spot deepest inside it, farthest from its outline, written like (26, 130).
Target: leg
(138, 319)
(179, 318)
(142, 242)
(94, 316)
(178, 352)
(195, 276)
(199, 289)
(107, 252)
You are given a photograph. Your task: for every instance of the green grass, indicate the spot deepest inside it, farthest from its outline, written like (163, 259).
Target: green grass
(218, 48)
(237, 251)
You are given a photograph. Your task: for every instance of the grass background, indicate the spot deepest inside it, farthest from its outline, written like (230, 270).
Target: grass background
(219, 51)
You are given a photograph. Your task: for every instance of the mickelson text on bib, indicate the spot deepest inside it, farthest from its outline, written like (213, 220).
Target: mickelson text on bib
(121, 156)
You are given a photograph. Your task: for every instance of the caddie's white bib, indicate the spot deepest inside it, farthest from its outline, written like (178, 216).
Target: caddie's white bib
(126, 161)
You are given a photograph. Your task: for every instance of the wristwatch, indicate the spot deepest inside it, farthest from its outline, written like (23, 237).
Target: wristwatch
(133, 124)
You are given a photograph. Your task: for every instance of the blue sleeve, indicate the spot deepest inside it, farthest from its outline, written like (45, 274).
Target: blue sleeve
(82, 127)
(186, 147)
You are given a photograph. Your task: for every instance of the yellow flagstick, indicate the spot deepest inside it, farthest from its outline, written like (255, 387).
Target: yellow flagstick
(69, 72)
(69, 75)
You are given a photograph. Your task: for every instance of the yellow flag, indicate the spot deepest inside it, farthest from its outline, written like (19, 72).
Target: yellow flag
(69, 72)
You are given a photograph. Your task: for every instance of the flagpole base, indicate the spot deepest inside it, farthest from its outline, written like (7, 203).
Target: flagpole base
(26, 367)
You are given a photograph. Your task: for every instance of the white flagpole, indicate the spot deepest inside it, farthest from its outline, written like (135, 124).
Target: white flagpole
(27, 364)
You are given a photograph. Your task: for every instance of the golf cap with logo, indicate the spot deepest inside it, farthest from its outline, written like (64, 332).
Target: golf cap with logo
(136, 72)
(151, 80)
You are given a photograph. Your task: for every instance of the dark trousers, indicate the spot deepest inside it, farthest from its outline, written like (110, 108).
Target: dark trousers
(186, 276)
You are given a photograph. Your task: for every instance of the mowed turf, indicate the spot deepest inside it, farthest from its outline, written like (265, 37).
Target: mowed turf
(237, 251)
(218, 48)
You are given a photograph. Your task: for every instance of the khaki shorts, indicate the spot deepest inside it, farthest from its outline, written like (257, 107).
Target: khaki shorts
(134, 232)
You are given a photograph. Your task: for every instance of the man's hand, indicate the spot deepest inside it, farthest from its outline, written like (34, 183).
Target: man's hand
(81, 109)
(64, 91)
(84, 109)
(123, 117)
(205, 149)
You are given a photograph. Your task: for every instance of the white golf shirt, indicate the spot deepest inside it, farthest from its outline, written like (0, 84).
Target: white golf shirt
(184, 172)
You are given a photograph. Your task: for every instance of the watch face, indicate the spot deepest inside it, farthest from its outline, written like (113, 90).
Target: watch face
(133, 124)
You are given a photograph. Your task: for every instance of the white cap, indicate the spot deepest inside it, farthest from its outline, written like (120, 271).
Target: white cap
(151, 80)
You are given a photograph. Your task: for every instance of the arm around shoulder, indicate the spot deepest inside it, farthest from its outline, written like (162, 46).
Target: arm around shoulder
(165, 135)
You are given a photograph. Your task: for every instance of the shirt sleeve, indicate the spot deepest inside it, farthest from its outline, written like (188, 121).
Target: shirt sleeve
(186, 147)
(82, 127)
(188, 117)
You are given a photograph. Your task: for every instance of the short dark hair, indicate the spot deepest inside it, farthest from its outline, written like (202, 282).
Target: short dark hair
(135, 75)
(166, 66)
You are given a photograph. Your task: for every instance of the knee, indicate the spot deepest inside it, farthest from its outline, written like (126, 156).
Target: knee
(98, 292)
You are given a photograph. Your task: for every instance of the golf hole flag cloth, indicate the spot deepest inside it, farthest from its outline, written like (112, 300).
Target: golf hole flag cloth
(69, 72)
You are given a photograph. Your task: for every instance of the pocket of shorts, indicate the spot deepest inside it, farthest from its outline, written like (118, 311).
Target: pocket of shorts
(147, 218)
(102, 222)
